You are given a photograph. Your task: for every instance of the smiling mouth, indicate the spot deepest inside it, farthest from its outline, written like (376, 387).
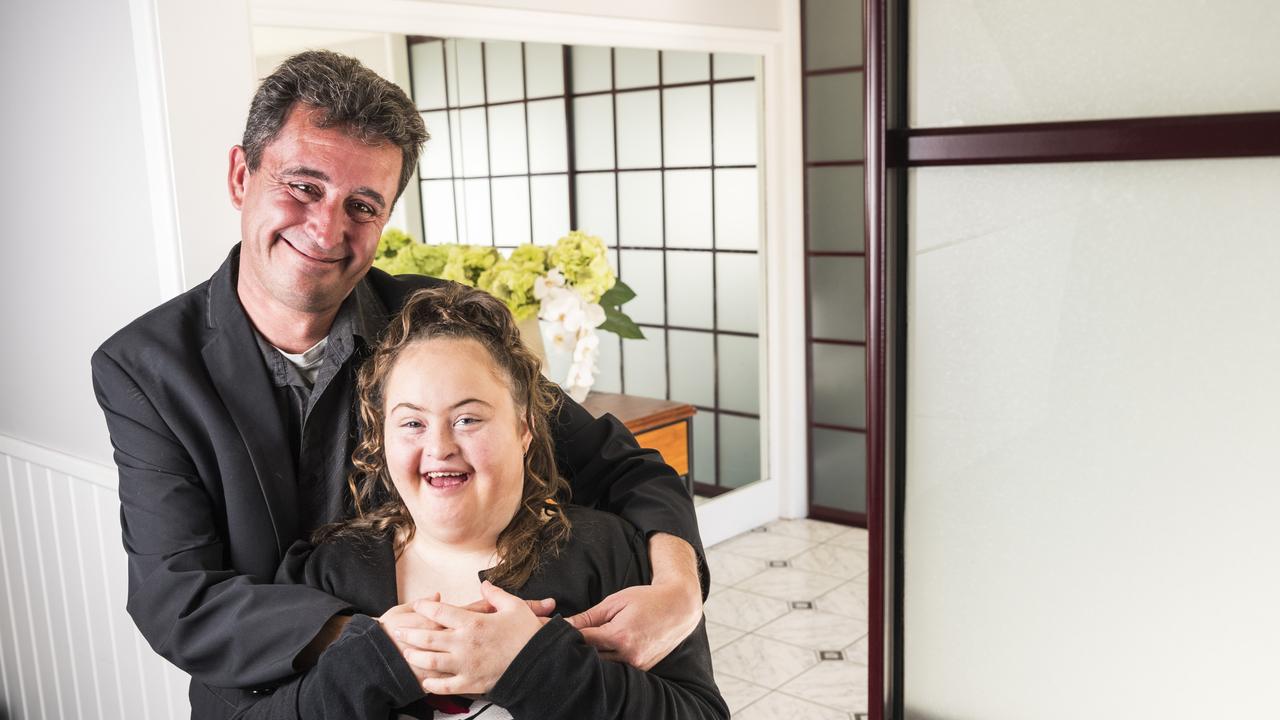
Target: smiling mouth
(308, 256)
(446, 480)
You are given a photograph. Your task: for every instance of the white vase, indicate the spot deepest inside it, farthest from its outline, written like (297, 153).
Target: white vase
(557, 358)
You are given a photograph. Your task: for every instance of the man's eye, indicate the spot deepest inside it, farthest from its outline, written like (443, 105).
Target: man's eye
(364, 209)
(304, 188)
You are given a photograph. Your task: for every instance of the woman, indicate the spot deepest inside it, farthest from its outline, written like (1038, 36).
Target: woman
(454, 495)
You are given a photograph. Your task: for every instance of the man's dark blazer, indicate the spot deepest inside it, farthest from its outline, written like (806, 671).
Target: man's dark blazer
(209, 499)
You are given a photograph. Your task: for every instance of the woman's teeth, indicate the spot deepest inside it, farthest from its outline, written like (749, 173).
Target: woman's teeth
(445, 479)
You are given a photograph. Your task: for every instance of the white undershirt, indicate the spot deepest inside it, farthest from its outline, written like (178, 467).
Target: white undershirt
(308, 361)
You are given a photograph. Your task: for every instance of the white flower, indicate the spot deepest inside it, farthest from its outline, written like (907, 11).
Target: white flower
(588, 344)
(594, 315)
(542, 286)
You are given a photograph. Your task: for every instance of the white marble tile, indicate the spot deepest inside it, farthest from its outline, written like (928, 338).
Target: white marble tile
(776, 706)
(853, 537)
(815, 629)
(849, 599)
(834, 683)
(762, 661)
(765, 545)
(805, 529)
(789, 584)
(738, 693)
(857, 651)
(742, 610)
(719, 635)
(845, 562)
(731, 569)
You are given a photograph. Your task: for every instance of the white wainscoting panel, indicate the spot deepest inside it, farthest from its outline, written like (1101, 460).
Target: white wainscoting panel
(67, 647)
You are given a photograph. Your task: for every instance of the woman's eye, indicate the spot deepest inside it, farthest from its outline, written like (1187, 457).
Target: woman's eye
(465, 421)
(411, 424)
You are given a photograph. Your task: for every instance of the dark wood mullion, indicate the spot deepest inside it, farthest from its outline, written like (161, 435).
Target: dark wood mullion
(571, 160)
(833, 70)
(834, 163)
(660, 86)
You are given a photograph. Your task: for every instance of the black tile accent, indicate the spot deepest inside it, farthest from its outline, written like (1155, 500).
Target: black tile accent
(830, 655)
(801, 605)
(779, 563)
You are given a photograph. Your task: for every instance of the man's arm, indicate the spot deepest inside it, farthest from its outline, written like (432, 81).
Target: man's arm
(220, 626)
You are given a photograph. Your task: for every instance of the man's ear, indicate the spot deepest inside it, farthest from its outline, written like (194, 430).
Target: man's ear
(237, 175)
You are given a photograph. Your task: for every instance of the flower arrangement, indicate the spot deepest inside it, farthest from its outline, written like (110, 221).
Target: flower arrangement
(569, 285)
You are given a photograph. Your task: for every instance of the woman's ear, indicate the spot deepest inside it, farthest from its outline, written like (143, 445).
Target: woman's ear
(526, 436)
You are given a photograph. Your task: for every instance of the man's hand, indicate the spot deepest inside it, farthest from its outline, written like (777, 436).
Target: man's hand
(641, 625)
(471, 650)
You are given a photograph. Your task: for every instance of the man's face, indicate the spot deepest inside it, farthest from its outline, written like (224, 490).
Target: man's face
(312, 213)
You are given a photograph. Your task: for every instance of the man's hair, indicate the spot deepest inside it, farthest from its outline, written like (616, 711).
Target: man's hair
(347, 95)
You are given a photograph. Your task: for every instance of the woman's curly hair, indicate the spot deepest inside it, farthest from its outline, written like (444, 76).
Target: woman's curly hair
(539, 527)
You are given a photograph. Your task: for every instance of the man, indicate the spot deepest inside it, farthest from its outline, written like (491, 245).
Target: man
(231, 407)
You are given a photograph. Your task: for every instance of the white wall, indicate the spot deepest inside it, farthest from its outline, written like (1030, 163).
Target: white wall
(753, 14)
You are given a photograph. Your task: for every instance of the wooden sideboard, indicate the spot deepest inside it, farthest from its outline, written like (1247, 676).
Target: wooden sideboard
(662, 425)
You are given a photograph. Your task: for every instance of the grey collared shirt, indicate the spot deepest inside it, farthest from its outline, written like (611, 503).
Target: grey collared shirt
(320, 417)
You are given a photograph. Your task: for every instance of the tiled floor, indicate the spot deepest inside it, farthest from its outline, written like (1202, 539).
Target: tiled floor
(787, 618)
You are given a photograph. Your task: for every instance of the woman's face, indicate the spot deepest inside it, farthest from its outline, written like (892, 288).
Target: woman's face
(454, 440)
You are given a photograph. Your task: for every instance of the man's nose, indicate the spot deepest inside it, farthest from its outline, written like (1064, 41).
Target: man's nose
(326, 224)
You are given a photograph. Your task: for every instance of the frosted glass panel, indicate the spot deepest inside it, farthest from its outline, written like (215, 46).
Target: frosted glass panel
(642, 270)
(635, 68)
(738, 285)
(507, 152)
(609, 364)
(544, 69)
(467, 72)
(679, 67)
(597, 206)
(592, 69)
(704, 447)
(739, 450)
(475, 211)
(686, 126)
(836, 209)
(688, 208)
(639, 137)
(503, 70)
(736, 136)
(1089, 59)
(644, 365)
(834, 120)
(839, 384)
(837, 304)
(1091, 429)
(593, 132)
(548, 150)
(840, 469)
(739, 377)
(550, 208)
(640, 208)
(427, 61)
(474, 152)
(439, 216)
(689, 289)
(737, 209)
(832, 33)
(733, 65)
(692, 367)
(511, 210)
(436, 159)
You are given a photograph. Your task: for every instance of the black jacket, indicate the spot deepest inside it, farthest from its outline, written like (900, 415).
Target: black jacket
(209, 494)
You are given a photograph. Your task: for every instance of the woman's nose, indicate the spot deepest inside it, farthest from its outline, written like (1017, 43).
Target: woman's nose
(438, 442)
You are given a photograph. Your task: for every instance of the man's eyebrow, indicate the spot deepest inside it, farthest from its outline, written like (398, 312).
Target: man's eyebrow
(363, 191)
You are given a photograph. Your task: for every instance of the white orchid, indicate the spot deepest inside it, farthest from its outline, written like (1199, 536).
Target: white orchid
(542, 286)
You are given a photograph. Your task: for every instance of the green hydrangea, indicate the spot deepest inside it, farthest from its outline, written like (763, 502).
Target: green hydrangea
(583, 260)
(511, 281)
(466, 263)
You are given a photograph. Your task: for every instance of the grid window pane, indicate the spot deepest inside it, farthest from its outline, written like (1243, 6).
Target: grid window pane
(832, 34)
(642, 270)
(737, 291)
(736, 137)
(427, 63)
(739, 373)
(692, 367)
(688, 208)
(840, 469)
(679, 66)
(733, 65)
(839, 384)
(686, 126)
(468, 72)
(737, 209)
(593, 132)
(455, 142)
(508, 154)
(439, 217)
(689, 289)
(597, 209)
(511, 226)
(609, 364)
(550, 208)
(437, 158)
(475, 210)
(834, 117)
(836, 209)
(640, 208)
(544, 69)
(635, 67)
(475, 150)
(739, 450)
(639, 131)
(644, 365)
(503, 71)
(837, 305)
(704, 447)
(592, 69)
(548, 141)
